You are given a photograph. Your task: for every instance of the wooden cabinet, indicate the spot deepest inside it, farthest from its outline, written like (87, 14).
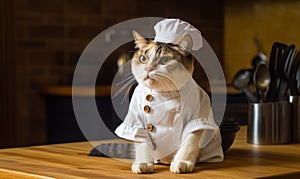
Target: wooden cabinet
(8, 128)
(62, 125)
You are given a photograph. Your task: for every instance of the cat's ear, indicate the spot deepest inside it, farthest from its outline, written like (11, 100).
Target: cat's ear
(139, 40)
(186, 43)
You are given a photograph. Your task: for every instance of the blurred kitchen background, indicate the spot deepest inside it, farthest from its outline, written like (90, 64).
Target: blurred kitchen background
(41, 42)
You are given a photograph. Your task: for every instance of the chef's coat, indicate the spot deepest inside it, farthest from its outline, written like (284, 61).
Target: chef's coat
(164, 119)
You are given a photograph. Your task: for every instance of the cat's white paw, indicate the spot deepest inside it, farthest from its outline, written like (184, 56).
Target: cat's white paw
(182, 166)
(139, 167)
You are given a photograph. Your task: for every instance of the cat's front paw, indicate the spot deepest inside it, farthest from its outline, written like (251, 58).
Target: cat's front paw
(138, 167)
(182, 166)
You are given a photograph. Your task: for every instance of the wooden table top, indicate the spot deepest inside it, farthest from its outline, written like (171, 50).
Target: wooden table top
(70, 160)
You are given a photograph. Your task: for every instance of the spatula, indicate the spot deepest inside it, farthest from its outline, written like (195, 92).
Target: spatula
(291, 72)
(283, 68)
(276, 53)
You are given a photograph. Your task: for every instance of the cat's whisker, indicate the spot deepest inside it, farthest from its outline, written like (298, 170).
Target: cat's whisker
(125, 80)
(123, 86)
(165, 83)
(141, 77)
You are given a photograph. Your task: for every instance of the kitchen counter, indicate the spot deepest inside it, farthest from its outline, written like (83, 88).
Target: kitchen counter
(70, 160)
(100, 90)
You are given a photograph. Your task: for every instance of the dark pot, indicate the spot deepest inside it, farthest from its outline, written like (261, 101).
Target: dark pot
(228, 131)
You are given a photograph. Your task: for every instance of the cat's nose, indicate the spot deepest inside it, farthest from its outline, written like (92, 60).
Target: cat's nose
(149, 68)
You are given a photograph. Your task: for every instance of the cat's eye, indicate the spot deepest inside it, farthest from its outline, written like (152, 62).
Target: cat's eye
(143, 59)
(165, 60)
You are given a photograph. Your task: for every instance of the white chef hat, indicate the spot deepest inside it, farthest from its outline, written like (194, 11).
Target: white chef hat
(173, 30)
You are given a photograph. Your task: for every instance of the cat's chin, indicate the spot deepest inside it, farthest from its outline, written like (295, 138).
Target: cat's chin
(158, 83)
(156, 86)
(150, 83)
(148, 79)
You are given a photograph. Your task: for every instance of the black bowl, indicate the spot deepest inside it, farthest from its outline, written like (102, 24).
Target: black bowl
(228, 131)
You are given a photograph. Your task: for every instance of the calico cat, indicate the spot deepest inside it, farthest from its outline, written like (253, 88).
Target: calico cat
(169, 118)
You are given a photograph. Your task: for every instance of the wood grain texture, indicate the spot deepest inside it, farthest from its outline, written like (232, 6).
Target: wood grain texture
(100, 90)
(70, 160)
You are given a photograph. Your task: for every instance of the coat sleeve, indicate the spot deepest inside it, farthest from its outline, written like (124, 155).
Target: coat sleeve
(132, 127)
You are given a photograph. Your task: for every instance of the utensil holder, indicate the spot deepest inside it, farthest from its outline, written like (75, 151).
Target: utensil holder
(295, 102)
(269, 123)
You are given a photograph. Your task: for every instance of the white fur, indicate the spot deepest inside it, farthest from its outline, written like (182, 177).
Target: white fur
(186, 157)
(144, 161)
(183, 162)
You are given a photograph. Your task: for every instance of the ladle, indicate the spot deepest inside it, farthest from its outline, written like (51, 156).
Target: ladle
(262, 79)
(261, 57)
(241, 81)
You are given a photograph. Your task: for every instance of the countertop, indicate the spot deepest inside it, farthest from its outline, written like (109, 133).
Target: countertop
(100, 90)
(70, 160)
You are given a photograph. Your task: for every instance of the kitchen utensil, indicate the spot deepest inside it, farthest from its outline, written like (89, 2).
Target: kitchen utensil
(228, 130)
(268, 124)
(276, 53)
(261, 57)
(294, 77)
(282, 70)
(241, 81)
(295, 102)
(261, 79)
(298, 78)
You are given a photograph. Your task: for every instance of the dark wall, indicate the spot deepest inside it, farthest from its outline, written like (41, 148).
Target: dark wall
(49, 36)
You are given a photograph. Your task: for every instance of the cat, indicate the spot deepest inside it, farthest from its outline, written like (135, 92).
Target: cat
(169, 117)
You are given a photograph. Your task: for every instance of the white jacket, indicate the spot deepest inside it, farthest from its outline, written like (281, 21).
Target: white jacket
(171, 117)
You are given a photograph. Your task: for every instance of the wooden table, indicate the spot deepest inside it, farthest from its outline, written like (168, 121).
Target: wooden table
(70, 160)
